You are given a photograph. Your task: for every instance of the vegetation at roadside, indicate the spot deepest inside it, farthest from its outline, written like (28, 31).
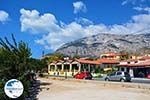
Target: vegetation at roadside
(16, 63)
(53, 57)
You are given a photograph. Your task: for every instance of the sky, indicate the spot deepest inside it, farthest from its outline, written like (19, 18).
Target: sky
(45, 25)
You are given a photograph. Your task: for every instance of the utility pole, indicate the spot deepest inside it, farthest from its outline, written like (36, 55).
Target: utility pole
(43, 53)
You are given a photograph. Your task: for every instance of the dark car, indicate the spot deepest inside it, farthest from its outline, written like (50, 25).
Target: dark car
(31, 76)
(83, 75)
(119, 76)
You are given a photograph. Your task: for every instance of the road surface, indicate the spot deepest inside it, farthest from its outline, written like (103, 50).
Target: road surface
(134, 80)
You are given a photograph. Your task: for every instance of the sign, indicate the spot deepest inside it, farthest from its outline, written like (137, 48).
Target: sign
(13, 88)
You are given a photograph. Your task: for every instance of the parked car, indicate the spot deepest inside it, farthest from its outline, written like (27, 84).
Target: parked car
(141, 75)
(31, 76)
(83, 75)
(148, 76)
(119, 76)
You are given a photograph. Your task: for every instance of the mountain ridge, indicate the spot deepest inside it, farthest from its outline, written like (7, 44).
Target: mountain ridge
(104, 42)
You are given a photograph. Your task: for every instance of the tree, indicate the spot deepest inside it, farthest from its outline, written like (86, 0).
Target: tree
(124, 55)
(14, 58)
(76, 57)
(14, 63)
(38, 65)
(54, 57)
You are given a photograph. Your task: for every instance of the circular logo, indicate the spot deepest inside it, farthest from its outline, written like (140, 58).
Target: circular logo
(13, 88)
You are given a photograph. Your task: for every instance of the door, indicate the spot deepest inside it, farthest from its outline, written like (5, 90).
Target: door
(118, 76)
(112, 76)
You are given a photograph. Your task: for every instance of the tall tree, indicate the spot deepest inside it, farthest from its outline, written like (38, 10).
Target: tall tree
(14, 62)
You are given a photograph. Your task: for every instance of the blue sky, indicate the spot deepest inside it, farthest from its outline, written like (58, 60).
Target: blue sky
(46, 25)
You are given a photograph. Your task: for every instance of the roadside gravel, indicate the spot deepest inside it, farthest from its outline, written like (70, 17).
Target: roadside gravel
(61, 89)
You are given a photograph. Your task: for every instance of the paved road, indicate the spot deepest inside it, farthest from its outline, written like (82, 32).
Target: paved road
(140, 80)
(134, 80)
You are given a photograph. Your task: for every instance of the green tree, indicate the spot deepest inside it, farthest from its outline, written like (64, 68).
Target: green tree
(38, 65)
(14, 63)
(54, 57)
(124, 55)
(76, 57)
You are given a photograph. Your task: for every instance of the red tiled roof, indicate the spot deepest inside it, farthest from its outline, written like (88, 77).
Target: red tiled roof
(108, 61)
(144, 64)
(97, 62)
(87, 61)
(145, 58)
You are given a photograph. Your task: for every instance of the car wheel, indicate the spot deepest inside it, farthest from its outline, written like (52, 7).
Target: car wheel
(122, 80)
(106, 79)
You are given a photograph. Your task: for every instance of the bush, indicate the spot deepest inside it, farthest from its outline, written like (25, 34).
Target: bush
(99, 76)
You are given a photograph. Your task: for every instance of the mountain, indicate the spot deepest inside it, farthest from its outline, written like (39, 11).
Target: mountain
(94, 45)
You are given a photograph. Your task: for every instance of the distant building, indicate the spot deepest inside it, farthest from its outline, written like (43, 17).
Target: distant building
(112, 55)
(136, 66)
(107, 64)
(71, 67)
(119, 56)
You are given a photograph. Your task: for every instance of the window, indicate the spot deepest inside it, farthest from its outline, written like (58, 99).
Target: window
(66, 67)
(75, 67)
(52, 68)
(136, 61)
(122, 69)
(59, 67)
(112, 74)
(119, 73)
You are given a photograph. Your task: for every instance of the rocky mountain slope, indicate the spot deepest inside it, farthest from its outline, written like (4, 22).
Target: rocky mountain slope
(100, 43)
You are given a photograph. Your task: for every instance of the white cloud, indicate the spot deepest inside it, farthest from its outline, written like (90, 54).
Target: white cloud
(136, 2)
(129, 1)
(124, 2)
(4, 16)
(32, 22)
(147, 9)
(79, 6)
(141, 5)
(56, 33)
(136, 24)
(138, 8)
(83, 21)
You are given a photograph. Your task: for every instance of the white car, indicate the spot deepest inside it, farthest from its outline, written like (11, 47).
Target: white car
(119, 76)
